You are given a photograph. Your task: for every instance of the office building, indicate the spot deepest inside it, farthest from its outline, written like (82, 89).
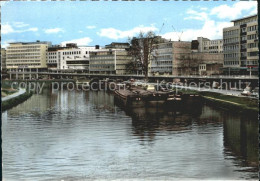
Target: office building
(117, 45)
(109, 61)
(162, 59)
(241, 53)
(71, 57)
(27, 55)
(187, 62)
(3, 59)
(208, 46)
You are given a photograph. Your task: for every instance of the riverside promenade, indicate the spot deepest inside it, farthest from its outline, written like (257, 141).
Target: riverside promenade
(20, 92)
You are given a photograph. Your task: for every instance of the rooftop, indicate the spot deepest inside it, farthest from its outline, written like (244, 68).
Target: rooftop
(244, 18)
(36, 42)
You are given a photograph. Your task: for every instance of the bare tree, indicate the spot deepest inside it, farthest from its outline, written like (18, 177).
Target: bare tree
(141, 48)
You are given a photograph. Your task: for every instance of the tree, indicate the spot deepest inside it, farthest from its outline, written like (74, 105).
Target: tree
(133, 67)
(141, 48)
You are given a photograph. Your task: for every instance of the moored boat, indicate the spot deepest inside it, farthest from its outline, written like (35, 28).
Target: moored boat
(130, 98)
(173, 100)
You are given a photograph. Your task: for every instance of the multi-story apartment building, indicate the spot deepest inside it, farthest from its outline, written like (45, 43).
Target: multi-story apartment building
(210, 46)
(27, 55)
(70, 57)
(109, 61)
(241, 53)
(3, 59)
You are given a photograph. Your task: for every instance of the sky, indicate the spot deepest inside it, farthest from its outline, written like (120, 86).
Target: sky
(90, 23)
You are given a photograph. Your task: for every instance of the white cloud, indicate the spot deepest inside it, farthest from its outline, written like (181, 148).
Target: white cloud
(202, 16)
(115, 34)
(7, 28)
(3, 3)
(32, 29)
(203, 8)
(91, 27)
(80, 31)
(210, 29)
(235, 10)
(4, 44)
(53, 30)
(20, 24)
(81, 41)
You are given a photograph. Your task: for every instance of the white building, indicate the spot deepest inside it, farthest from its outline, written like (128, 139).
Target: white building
(3, 59)
(241, 53)
(109, 61)
(27, 55)
(70, 57)
(162, 59)
(210, 46)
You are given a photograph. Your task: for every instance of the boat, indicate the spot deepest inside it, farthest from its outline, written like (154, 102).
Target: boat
(157, 98)
(173, 100)
(130, 98)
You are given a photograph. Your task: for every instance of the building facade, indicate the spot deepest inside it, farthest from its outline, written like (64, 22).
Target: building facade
(210, 46)
(27, 55)
(179, 58)
(3, 59)
(117, 45)
(70, 57)
(241, 53)
(162, 59)
(187, 62)
(109, 61)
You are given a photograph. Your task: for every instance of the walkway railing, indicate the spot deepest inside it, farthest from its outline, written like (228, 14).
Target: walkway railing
(141, 76)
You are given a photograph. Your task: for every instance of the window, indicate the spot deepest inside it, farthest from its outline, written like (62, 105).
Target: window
(243, 54)
(243, 38)
(252, 45)
(243, 46)
(251, 54)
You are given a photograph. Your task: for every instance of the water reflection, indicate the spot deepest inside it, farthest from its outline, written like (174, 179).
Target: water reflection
(85, 135)
(241, 140)
(240, 132)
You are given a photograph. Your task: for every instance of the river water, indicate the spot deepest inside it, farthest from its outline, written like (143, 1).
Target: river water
(74, 135)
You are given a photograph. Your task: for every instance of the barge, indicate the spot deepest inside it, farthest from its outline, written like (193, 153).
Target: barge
(135, 96)
(131, 98)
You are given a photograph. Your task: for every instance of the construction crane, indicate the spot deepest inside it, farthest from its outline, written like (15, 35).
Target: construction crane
(161, 28)
(179, 36)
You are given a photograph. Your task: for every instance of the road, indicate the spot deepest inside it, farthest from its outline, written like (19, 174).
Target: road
(221, 91)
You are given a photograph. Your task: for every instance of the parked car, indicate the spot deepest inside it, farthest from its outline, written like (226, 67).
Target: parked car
(255, 92)
(246, 93)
